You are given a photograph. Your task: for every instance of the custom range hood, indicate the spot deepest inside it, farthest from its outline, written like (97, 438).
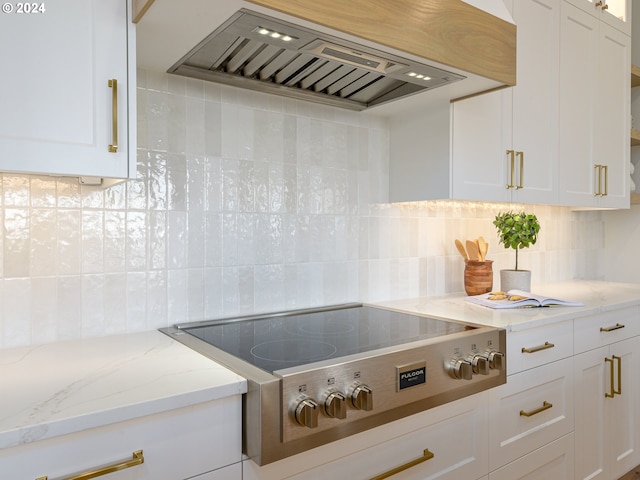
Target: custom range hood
(250, 46)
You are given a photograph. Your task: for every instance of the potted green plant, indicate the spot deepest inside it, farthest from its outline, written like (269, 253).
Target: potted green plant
(516, 230)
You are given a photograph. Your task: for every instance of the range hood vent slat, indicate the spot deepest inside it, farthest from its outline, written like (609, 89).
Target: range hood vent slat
(320, 73)
(265, 55)
(277, 64)
(345, 81)
(359, 84)
(294, 67)
(333, 77)
(236, 62)
(382, 86)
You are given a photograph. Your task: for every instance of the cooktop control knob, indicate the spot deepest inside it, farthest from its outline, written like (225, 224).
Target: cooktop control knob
(480, 364)
(362, 398)
(460, 369)
(307, 413)
(336, 405)
(496, 360)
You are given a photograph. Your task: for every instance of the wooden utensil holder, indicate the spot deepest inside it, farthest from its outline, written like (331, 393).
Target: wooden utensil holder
(478, 277)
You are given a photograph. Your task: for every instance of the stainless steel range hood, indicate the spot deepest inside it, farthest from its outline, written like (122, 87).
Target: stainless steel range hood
(259, 52)
(239, 43)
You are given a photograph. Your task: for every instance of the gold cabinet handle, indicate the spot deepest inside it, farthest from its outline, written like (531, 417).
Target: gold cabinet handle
(539, 348)
(521, 184)
(138, 459)
(612, 390)
(618, 391)
(512, 162)
(600, 191)
(426, 455)
(545, 406)
(113, 84)
(617, 326)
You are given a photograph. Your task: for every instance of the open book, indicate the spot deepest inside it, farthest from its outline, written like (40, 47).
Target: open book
(518, 299)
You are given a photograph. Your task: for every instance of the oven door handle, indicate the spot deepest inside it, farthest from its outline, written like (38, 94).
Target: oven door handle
(426, 455)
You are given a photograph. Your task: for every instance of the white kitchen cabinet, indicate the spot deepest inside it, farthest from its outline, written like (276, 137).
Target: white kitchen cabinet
(607, 392)
(199, 440)
(505, 143)
(455, 433)
(535, 407)
(616, 13)
(68, 89)
(553, 461)
(594, 146)
(534, 347)
(532, 409)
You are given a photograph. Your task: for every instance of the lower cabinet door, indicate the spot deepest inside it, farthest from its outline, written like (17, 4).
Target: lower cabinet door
(551, 462)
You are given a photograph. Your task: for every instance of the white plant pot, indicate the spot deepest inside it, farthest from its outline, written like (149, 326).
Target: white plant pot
(515, 280)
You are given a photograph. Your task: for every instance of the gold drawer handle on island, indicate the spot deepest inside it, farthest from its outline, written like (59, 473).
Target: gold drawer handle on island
(426, 455)
(138, 459)
(113, 85)
(538, 348)
(545, 406)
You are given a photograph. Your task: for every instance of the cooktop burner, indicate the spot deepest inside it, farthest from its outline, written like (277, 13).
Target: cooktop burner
(275, 343)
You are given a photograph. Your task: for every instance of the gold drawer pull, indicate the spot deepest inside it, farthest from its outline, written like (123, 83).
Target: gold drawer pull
(538, 348)
(138, 459)
(617, 326)
(113, 84)
(426, 455)
(545, 406)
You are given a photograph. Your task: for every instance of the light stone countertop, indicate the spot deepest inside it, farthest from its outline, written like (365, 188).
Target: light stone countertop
(59, 388)
(596, 296)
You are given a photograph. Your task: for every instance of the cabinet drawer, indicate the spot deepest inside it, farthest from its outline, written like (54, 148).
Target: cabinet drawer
(605, 328)
(537, 346)
(176, 444)
(456, 434)
(452, 442)
(553, 461)
(532, 409)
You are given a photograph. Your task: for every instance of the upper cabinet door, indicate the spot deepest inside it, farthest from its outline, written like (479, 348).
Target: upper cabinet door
(616, 13)
(535, 100)
(594, 111)
(505, 143)
(65, 92)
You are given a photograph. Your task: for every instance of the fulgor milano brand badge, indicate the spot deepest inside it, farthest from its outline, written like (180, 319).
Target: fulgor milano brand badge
(412, 375)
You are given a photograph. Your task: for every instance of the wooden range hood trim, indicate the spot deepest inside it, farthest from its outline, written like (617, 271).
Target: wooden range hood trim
(449, 32)
(139, 8)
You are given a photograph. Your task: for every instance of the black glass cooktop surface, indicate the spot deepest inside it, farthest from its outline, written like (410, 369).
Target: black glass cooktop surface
(276, 342)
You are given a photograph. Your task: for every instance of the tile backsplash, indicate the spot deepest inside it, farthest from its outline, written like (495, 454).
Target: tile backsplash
(245, 203)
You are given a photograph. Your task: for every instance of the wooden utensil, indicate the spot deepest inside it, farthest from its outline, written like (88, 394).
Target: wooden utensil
(461, 249)
(483, 247)
(472, 250)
